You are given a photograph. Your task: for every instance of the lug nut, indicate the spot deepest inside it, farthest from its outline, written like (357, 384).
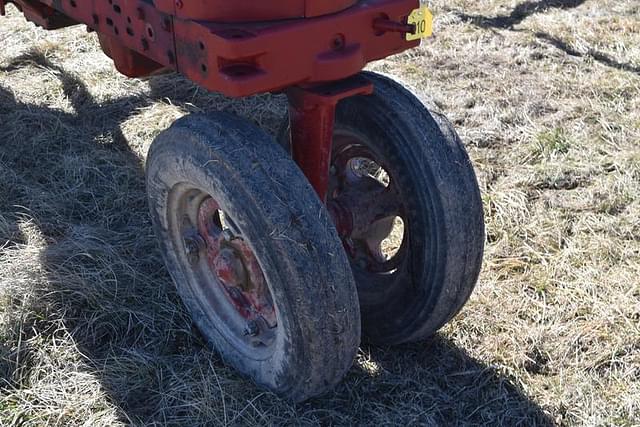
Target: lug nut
(252, 329)
(227, 235)
(192, 247)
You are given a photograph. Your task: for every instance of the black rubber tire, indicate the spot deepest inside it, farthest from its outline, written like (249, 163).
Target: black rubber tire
(423, 152)
(291, 235)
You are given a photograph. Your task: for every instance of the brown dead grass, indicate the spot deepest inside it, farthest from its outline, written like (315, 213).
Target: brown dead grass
(546, 94)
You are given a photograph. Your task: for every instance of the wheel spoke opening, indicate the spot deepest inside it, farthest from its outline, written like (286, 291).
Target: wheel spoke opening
(390, 245)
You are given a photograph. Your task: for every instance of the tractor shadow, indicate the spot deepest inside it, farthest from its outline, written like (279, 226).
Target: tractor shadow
(598, 56)
(436, 382)
(521, 12)
(73, 177)
(528, 8)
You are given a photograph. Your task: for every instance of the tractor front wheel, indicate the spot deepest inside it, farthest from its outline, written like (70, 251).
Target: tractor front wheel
(253, 253)
(405, 200)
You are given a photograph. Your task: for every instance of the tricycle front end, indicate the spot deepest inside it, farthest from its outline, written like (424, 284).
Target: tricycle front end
(362, 218)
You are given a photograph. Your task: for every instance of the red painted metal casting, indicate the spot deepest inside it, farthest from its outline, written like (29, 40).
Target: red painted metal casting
(257, 57)
(233, 263)
(250, 10)
(236, 58)
(311, 116)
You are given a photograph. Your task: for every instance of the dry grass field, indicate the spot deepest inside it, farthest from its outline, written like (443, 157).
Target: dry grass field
(546, 96)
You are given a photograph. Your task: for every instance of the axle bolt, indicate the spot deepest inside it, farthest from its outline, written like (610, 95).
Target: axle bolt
(227, 235)
(235, 292)
(192, 247)
(252, 329)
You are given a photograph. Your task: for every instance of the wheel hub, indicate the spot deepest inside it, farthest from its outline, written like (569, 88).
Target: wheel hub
(365, 209)
(234, 265)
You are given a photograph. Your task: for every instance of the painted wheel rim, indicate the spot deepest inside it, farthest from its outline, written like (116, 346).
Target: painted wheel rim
(365, 200)
(222, 273)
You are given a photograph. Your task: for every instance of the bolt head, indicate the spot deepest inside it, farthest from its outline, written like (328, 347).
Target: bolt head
(192, 248)
(227, 235)
(251, 328)
(338, 42)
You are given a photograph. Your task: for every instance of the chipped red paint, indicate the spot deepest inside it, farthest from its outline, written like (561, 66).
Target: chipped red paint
(235, 266)
(311, 116)
(328, 41)
(244, 47)
(250, 10)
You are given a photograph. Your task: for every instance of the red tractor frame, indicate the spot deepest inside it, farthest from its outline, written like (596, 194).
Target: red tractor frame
(280, 280)
(244, 49)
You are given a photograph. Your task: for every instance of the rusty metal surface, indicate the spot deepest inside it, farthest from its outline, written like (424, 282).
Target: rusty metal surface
(238, 59)
(250, 10)
(42, 14)
(234, 266)
(311, 116)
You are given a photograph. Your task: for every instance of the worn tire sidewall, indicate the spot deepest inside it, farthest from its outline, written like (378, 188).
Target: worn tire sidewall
(439, 186)
(213, 168)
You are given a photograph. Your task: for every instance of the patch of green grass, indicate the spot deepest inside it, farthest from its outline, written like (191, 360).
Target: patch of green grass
(551, 143)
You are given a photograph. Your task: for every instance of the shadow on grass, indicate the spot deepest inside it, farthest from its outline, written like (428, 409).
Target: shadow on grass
(600, 57)
(106, 286)
(521, 12)
(525, 9)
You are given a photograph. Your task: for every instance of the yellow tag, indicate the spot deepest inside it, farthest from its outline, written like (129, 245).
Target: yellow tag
(422, 20)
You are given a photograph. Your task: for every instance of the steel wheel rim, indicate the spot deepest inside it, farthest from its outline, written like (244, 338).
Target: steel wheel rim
(205, 242)
(347, 146)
